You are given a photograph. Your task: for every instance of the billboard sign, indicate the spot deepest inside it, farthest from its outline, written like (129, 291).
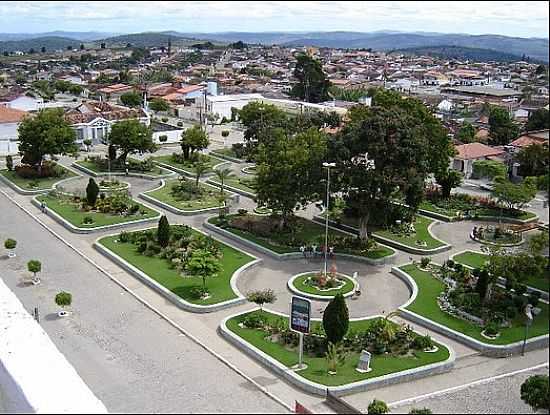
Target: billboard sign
(300, 315)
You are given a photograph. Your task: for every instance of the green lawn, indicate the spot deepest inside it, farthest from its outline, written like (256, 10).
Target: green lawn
(158, 269)
(156, 171)
(208, 200)
(317, 366)
(239, 182)
(425, 304)
(302, 284)
(477, 260)
(74, 215)
(421, 225)
(228, 152)
(310, 232)
(188, 166)
(42, 184)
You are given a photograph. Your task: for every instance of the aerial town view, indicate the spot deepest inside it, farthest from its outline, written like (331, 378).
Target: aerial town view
(312, 207)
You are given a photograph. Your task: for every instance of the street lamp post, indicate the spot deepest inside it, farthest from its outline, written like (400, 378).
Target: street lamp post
(328, 166)
(530, 313)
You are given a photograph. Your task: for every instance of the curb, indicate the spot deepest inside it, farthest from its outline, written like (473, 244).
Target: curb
(130, 174)
(295, 290)
(233, 189)
(25, 192)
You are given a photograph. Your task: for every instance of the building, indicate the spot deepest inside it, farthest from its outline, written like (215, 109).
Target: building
(93, 120)
(10, 119)
(467, 154)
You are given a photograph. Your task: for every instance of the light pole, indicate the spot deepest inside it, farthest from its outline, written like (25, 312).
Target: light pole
(530, 313)
(328, 166)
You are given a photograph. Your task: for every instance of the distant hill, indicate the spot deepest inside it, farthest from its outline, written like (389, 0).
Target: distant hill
(461, 53)
(82, 36)
(536, 48)
(147, 39)
(51, 43)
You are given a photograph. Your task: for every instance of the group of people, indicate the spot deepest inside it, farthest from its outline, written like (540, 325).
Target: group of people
(313, 252)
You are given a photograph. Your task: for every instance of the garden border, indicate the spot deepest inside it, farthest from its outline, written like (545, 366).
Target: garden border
(24, 192)
(297, 291)
(75, 229)
(232, 188)
(483, 242)
(292, 255)
(163, 291)
(130, 174)
(543, 294)
(224, 157)
(187, 173)
(320, 389)
(390, 242)
(491, 350)
(178, 211)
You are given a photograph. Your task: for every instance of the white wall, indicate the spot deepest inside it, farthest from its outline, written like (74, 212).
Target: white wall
(174, 136)
(34, 375)
(8, 137)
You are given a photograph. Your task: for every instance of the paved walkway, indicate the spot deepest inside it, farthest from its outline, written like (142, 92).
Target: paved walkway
(382, 292)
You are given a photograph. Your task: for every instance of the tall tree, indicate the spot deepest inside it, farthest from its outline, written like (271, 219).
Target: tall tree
(533, 160)
(131, 136)
(259, 119)
(92, 191)
(312, 85)
(336, 319)
(163, 232)
(290, 171)
(193, 139)
(538, 120)
(223, 175)
(131, 99)
(514, 196)
(467, 133)
(448, 180)
(45, 134)
(502, 129)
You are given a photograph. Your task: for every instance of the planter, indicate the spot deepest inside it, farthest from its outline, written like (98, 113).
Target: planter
(12, 254)
(62, 313)
(432, 350)
(490, 337)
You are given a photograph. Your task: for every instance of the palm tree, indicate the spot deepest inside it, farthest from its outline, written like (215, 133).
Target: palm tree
(204, 264)
(223, 175)
(200, 169)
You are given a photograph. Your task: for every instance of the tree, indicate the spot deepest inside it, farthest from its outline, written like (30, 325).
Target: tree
(193, 139)
(448, 180)
(535, 392)
(489, 168)
(131, 136)
(467, 133)
(200, 169)
(336, 319)
(63, 299)
(223, 175)
(159, 104)
(538, 120)
(45, 134)
(312, 83)
(290, 171)
(92, 192)
(260, 119)
(514, 196)
(43, 49)
(35, 267)
(10, 243)
(82, 46)
(262, 297)
(502, 129)
(538, 243)
(335, 356)
(204, 264)
(163, 232)
(533, 160)
(102, 46)
(378, 407)
(131, 99)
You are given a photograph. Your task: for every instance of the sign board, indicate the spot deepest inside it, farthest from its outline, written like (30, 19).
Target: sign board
(300, 314)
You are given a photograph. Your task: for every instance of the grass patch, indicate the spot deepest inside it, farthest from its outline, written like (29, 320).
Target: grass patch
(309, 232)
(242, 183)
(90, 165)
(45, 183)
(421, 225)
(228, 152)
(159, 270)
(451, 211)
(72, 213)
(317, 366)
(188, 166)
(425, 304)
(209, 199)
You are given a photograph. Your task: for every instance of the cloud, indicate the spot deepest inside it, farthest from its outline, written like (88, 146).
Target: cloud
(509, 17)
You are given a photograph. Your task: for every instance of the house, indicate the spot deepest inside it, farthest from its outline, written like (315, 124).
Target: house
(113, 92)
(467, 154)
(31, 104)
(530, 137)
(93, 120)
(10, 119)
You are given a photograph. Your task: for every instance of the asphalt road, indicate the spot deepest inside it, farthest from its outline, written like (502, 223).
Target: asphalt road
(133, 360)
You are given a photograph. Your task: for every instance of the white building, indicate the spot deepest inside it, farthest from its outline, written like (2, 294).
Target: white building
(222, 104)
(10, 119)
(31, 104)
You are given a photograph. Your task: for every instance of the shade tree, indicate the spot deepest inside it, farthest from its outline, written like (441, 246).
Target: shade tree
(130, 137)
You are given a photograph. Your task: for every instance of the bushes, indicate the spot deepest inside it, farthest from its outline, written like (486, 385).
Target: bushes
(92, 191)
(49, 169)
(9, 163)
(377, 407)
(163, 232)
(535, 392)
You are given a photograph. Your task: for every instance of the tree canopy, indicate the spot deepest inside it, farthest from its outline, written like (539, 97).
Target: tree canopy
(533, 160)
(312, 85)
(131, 136)
(502, 129)
(45, 134)
(131, 99)
(538, 120)
(193, 139)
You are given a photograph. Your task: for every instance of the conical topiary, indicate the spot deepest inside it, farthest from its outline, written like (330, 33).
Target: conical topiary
(163, 232)
(336, 319)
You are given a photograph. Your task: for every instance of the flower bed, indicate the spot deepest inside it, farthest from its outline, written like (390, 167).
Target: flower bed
(316, 283)
(183, 194)
(264, 231)
(414, 235)
(167, 266)
(427, 305)
(394, 348)
(100, 165)
(115, 208)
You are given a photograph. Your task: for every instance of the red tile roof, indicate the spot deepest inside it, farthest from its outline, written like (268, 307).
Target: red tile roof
(11, 115)
(476, 151)
(89, 111)
(525, 140)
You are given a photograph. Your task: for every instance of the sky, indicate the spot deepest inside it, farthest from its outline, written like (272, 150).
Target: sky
(511, 18)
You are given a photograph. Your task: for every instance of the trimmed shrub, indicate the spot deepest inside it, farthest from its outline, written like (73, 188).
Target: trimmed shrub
(535, 392)
(378, 407)
(163, 232)
(92, 191)
(336, 319)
